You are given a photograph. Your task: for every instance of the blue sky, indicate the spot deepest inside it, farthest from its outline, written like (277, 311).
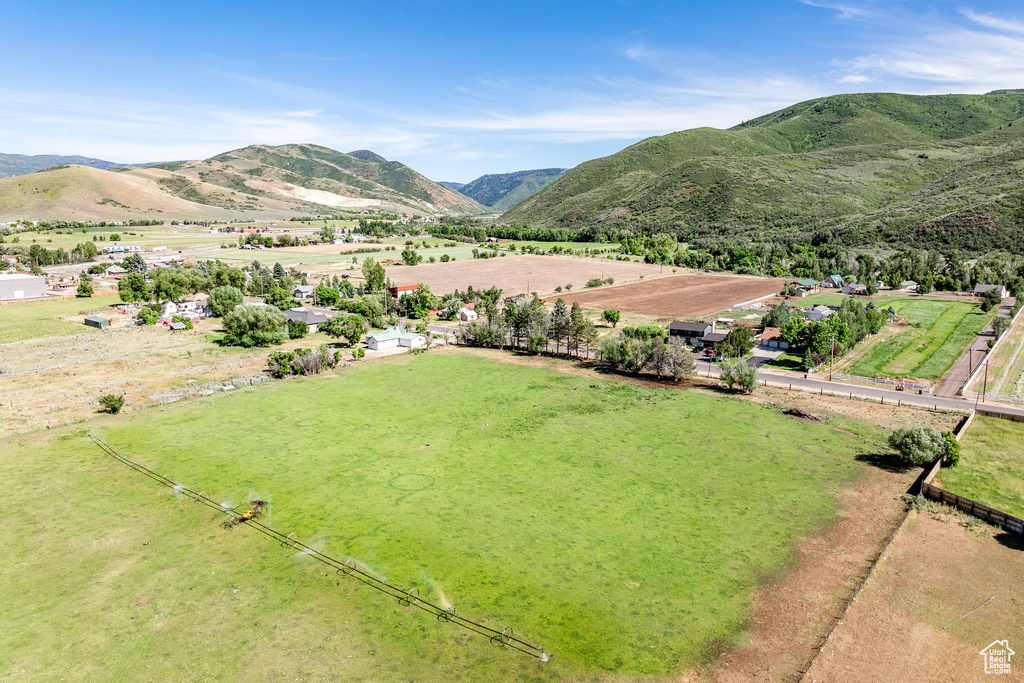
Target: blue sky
(459, 89)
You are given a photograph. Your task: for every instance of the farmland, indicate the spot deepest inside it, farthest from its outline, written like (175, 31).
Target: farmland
(519, 274)
(934, 336)
(46, 318)
(1004, 375)
(480, 501)
(991, 470)
(679, 296)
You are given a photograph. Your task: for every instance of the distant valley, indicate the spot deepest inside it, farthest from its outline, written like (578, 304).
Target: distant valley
(502, 191)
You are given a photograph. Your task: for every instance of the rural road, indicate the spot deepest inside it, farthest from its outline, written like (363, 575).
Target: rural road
(810, 384)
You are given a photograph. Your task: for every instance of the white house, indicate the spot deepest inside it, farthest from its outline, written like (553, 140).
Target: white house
(394, 337)
(467, 314)
(304, 292)
(980, 289)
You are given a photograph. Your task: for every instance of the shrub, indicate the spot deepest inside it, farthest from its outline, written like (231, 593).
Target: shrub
(918, 446)
(302, 361)
(594, 282)
(85, 290)
(953, 450)
(297, 329)
(148, 315)
(537, 343)
(112, 403)
(736, 373)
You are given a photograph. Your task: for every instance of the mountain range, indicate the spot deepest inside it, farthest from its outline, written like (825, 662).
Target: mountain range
(502, 191)
(930, 171)
(21, 164)
(259, 181)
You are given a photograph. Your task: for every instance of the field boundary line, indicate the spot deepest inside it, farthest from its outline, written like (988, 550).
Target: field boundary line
(856, 591)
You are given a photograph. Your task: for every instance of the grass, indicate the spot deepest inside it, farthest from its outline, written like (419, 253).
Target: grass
(623, 529)
(36, 319)
(991, 470)
(1006, 367)
(786, 361)
(939, 333)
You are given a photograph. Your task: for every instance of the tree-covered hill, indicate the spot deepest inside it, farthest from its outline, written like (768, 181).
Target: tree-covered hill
(502, 191)
(929, 171)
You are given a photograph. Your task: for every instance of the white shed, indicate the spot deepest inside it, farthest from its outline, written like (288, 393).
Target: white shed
(394, 337)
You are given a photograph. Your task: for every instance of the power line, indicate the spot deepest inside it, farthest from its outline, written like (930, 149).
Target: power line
(503, 638)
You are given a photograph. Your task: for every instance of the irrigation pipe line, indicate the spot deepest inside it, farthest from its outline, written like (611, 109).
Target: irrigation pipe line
(409, 598)
(969, 613)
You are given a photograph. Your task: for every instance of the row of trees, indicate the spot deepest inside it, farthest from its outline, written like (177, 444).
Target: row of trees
(528, 325)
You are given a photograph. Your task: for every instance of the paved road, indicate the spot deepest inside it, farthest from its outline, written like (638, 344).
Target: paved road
(815, 385)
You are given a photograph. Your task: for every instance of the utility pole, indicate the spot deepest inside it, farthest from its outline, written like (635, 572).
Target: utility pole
(832, 353)
(984, 387)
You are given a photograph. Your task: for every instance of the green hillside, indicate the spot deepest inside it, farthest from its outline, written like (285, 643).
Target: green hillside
(862, 169)
(502, 191)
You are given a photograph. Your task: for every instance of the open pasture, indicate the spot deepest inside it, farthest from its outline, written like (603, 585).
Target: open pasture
(938, 331)
(1005, 372)
(678, 296)
(991, 469)
(623, 529)
(49, 317)
(520, 274)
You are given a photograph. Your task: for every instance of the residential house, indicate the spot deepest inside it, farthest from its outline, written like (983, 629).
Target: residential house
(304, 292)
(467, 314)
(197, 303)
(854, 289)
(711, 341)
(908, 286)
(980, 289)
(688, 332)
(819, 312)
(404, 290)
(394, 337)
(311, 318)
(833, 281)
(115, 271)
(771, 338)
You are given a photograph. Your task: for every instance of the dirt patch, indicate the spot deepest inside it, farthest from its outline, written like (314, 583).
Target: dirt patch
(518, 274)
(935, 571)
(679, 296)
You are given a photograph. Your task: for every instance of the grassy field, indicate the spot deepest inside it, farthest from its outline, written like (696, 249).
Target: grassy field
(937, 335)
(991, 470)
(35, 319)
(617, 527)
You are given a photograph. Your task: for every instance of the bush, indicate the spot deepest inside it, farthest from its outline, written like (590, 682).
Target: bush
(302, 361)
(85, 290)
(112, 403)
(918, 446)
(254, 326)
(537, 343)
(736, 373)
(594, 282)
(297, 329)
(148, 316)
(951, 457)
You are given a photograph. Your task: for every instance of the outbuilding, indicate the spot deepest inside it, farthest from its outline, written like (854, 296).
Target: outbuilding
(393, 337)
(980, 289)
(467, 314)
(21, 286)
(97, 322)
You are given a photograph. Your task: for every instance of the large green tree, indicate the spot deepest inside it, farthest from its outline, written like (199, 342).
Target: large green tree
(224, 299)
(373, 276)
(254, 326)
(132, 288)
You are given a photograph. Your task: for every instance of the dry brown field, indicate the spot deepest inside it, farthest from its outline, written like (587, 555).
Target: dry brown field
(518, 274)
(678, 296)
(936, 570)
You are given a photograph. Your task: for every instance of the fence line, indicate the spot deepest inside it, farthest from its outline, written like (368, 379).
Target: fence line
(885, 381)
(974, 508)
(984, 361)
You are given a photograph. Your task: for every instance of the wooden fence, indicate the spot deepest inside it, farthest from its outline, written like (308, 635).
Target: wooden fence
(971, 507)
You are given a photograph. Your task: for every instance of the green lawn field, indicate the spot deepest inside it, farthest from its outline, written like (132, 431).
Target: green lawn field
(623, 529)
(36, 319)
(991, 469)
(939, 333)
